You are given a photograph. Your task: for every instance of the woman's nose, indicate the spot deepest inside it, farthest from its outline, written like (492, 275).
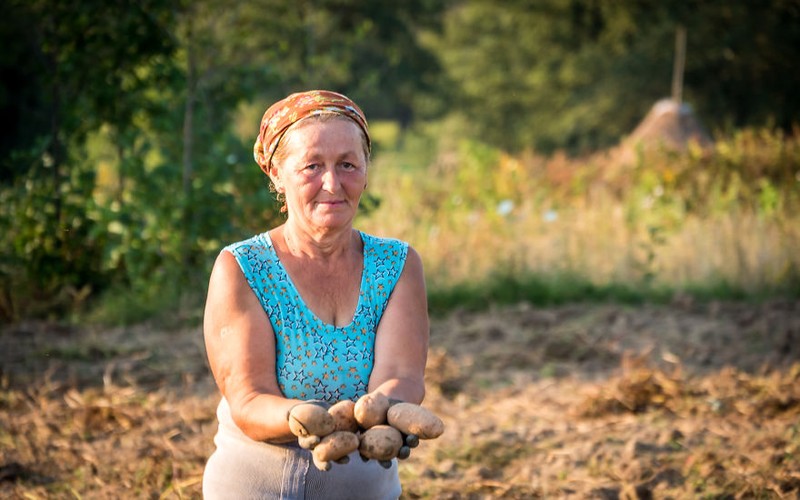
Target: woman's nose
(330, 180)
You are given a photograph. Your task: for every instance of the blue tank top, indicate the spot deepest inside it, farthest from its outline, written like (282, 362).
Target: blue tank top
(316, 360)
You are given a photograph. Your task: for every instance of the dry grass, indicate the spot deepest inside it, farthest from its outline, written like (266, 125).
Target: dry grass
(673, 219)
(681, 401)
(647, 403)
(123, 413)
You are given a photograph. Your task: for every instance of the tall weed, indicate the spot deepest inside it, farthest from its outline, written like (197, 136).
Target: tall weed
(716, 222)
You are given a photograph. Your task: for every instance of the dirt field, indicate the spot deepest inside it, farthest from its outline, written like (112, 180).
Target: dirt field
(680, 401)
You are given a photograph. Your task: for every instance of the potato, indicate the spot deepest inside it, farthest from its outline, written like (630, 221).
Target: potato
(308, 442)
(370, 410)
(343, 416)
(324, 466)
(334, 446)
(381, 442)
(409, 418)
(310, 420)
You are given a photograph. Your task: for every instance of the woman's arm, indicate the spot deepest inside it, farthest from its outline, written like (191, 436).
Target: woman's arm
(401, 342)
(240, 344)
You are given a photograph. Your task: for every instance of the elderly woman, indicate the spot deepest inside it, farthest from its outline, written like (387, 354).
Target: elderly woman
(310, 310)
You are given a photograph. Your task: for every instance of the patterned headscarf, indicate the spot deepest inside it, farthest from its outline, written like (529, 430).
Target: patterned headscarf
(286, 112)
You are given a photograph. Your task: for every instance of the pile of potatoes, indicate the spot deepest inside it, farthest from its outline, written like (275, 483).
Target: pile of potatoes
(377, 427)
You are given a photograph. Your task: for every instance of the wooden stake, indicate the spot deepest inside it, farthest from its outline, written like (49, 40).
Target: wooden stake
(680, 60)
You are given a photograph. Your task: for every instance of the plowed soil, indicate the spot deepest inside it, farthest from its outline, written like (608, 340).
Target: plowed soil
(582, 401)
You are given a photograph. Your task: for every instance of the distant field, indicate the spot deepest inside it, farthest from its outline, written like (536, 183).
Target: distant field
(725, 220)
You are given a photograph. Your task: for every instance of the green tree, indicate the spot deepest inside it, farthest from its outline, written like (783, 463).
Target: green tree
(580, 74)
(65, 48)
(369, 50)
(147, 94)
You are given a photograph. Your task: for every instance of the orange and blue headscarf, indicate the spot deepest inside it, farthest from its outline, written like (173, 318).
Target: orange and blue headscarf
(290, 110)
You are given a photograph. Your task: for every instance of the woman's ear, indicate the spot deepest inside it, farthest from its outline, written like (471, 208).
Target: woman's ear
(274, 175)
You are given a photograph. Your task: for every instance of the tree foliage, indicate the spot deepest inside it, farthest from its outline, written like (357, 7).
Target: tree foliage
(61, 51)
(577, 75)
(123, 165)
(125, 147)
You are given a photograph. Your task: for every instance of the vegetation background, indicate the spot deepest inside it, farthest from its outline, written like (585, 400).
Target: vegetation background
(504, 152)
(125, 158)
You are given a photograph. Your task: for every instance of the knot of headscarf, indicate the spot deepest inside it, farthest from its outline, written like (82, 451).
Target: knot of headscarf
(284, 113)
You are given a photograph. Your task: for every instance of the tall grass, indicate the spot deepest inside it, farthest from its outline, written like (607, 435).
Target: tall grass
(724, 221)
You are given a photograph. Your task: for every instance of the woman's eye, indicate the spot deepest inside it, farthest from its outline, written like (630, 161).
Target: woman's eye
(348, 166)
(312, 167)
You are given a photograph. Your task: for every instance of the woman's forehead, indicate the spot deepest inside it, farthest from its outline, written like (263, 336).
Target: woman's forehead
(335, 134)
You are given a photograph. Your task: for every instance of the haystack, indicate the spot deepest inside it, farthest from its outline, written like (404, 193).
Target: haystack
(670, 125)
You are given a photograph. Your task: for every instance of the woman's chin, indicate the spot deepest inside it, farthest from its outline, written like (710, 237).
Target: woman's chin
(333, 219)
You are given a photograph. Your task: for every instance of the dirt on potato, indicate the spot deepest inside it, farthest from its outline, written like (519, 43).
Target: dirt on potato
(581, 401)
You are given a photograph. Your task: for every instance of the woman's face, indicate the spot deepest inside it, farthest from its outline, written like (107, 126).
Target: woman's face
(323, 172)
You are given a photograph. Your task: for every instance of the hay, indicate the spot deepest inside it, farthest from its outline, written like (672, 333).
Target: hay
(669, 125)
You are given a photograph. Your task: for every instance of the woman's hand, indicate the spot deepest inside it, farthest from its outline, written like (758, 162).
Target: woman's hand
(391, 428)
(319, 429)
